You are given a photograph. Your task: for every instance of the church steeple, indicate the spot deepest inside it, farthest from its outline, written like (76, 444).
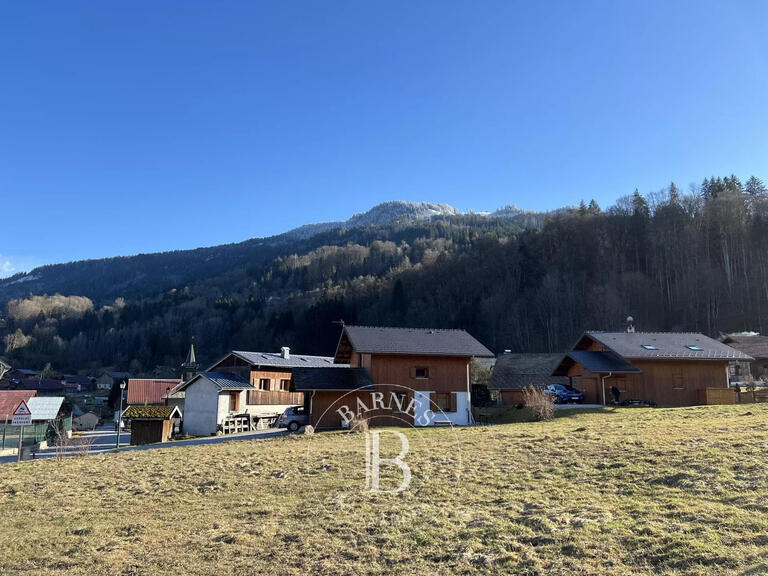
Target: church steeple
(190, 366)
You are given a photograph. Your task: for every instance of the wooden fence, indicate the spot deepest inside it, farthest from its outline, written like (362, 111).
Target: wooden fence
(717, 396)
(746, 396)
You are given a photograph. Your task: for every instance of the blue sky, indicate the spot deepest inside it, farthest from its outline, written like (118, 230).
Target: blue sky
(131, 127)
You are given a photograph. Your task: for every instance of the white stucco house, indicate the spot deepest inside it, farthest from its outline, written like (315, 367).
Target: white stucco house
(210, 397)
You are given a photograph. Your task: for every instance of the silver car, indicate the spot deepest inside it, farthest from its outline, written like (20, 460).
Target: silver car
(293, 418)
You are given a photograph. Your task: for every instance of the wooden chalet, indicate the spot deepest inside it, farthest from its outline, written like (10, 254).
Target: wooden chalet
(660, 368)
(514, 373)
(269, 373)
(754, 345)
(424, 368)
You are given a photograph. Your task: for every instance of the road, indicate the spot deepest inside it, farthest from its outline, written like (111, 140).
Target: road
(104, 438)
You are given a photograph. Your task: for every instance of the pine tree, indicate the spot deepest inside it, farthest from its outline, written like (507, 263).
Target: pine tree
(755, 187)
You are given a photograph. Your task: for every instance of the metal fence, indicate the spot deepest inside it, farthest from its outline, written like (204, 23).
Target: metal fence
(9, 435)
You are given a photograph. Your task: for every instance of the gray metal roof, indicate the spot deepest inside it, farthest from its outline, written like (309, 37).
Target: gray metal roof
(331, 379)
(45, 408)
(520, 371)
(755, 345)
(669, 345)
(276, 359)
(417, 341)
(595, 361)
(222, 380)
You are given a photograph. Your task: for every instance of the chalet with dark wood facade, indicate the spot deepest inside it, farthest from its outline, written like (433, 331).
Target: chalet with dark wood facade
(427, 370)
(662, 368)
(244, 389)
(514, 373)
(270, 375)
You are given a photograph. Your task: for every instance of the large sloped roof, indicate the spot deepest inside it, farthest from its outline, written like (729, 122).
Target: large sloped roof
(222, 381)
(669, 345)
(45, 407)
(755, 345)
(416, 341)
(149, 390)
(9, 400)
(339, 378)
(276, 359)
(520, 371)
(597, 361)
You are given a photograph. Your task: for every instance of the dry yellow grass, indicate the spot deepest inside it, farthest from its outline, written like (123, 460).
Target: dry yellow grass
(631, 491)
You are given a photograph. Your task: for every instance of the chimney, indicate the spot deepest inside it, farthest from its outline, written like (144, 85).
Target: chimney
(630, 325)
(285, 352)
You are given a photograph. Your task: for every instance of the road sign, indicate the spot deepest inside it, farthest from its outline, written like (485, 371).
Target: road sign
(22, 416)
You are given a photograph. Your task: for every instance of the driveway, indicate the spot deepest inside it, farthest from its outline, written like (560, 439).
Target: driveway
(104, 438)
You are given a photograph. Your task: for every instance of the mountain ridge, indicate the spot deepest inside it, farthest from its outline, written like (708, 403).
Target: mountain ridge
(124, 276)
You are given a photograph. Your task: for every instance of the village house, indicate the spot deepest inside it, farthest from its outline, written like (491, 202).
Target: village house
(242, 389)
(47, 413)
(20, 374)
(108, 379)
(427, 370)
(85, 421)
(514, 373)
(78, 383)
(215, 402)
(10, 399)
(151, 391)
(660, 368)
(754, 345)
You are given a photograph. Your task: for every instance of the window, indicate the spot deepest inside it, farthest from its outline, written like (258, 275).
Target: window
(421, 372)
(264, 384)
(695, 348)
(285, 384)
(649, 347)
(677, 381)
(444, 402)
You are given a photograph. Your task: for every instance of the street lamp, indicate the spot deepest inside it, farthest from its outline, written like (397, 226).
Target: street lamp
(120, 413)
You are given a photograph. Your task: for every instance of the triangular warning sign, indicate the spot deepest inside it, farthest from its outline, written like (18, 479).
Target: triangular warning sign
(22, 409)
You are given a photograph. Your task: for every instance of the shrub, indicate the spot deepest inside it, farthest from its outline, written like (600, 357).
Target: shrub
(542, 405)
(358, 424)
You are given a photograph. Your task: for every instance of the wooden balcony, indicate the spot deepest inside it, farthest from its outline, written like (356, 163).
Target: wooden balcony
(274, 397)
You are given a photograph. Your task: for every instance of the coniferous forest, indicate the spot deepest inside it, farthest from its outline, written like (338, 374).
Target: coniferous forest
(674, 260)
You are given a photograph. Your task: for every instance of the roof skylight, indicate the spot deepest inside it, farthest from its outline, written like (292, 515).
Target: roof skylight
(649, 347)
(695, 348)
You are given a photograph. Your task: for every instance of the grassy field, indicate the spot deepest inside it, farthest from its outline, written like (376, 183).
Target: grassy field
(629, 491)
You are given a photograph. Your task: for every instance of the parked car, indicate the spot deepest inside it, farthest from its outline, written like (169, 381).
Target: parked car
(563, 394)
(293, 418)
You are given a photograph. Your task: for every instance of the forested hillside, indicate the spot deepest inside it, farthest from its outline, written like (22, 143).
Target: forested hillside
(695, 261)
